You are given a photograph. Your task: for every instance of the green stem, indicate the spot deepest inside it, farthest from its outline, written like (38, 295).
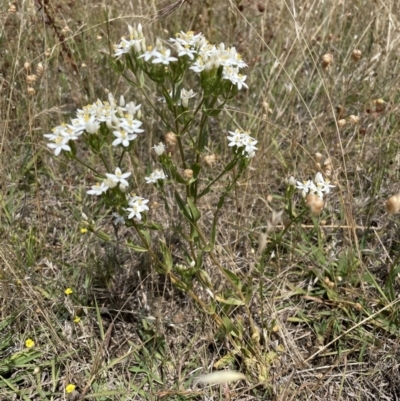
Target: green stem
(87, 166)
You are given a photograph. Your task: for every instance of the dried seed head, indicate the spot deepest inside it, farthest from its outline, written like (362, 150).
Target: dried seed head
(65, 30)
(30, 91)
(315, 204)
(358, 306)
(39, 70)
(187, 174)
(318, 156)
(328, 161)
(379, 105)
(47, 53)
(356, 55)
(341, 123)
(170, 139)
(354, 119)
(327, 60)
(12, 9)
(261, 7)
(83, 65)
(27, 65)
(393, 204)
(99, 37)
(209, 160)
(31, 79)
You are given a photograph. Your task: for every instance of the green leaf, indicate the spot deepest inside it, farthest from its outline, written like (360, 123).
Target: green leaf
(229, 301)
(234, 278)
(167, 257)
(136, 248)
(195, 213)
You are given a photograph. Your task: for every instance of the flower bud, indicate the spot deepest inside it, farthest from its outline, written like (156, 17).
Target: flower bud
(356, 55)
(327, 60)
(159, 149)
(318, 156)
(170, 139)
(30, 91)
(187, 174)
(292, 181)
(315, 204)
(12, 9)
(393, 204)
(27, 65)
(341, 123)
(209, 160)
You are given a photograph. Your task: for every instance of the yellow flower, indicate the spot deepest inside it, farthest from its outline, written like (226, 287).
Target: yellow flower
(70, 388)
(83, 230)
(68, 291)
(29, 343)
(77, 319)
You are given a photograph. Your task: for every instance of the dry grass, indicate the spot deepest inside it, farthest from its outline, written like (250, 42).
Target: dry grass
(139, 338)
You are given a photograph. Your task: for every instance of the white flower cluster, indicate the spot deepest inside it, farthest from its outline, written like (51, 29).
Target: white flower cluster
(135, 40)
(155, 176)
(319, 187)
(111, 181)
(137, 206)
(243, 140)
(120, 118)
(211, 56)
(203, 55)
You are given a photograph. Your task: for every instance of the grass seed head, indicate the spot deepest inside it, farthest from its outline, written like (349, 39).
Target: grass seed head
(188, 174)
(170, 139)
(354, 119)
(31, 79)
(39, 70)
(327, 60)
(209, 160)
(12, 9)
(356, 55)
(393, 204)
(315, 204)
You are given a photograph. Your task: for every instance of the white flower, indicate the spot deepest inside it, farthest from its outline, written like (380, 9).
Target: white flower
(198, 65)
(232, 74)
(185, 96)
(184, 50)
(110, 183)
(306, 187)
(119, 177)
(159, 149)
(130, 125)
(137, 206)
(155, 176)
(132, 109)
(60, 143)
(123, 138)
(98, 189)
(242, 139)
(118, 219)
(163, 57)
(322, 186)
